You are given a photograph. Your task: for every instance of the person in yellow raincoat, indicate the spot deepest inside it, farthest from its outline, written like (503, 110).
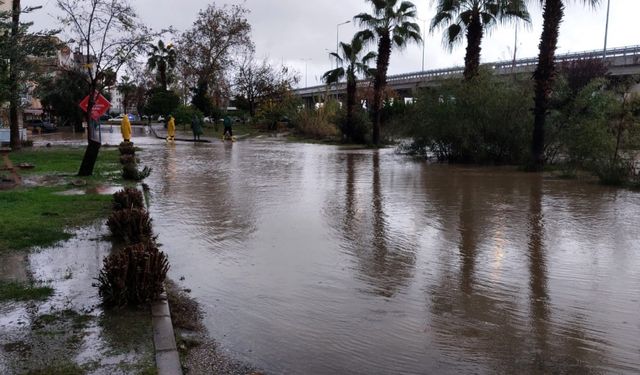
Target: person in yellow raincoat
(125, 128)
(171, 129)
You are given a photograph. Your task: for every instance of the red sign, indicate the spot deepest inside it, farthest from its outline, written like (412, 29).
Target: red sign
(100, 106)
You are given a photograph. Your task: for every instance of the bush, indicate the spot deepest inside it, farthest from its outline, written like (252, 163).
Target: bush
(133, 275)
(127, 159)
(614, 173)
(184, 114)
(486, 120)
(360, 129)
(130, 172)
(318, 123)
(130, 225)
(128, 198)
(127, 148)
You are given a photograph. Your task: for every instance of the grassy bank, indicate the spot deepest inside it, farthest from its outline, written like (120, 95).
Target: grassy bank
(12, 291)
(66, 161)
(38, 216)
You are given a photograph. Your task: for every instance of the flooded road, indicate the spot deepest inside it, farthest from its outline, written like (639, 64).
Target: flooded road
(321, 260)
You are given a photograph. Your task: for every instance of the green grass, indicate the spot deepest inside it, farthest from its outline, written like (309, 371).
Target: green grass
(66, 367)
(65, 161)
(38, 216)
(12, 291)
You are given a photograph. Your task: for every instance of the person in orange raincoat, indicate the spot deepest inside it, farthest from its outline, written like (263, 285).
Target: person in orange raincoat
(125, 128)
(171, 129)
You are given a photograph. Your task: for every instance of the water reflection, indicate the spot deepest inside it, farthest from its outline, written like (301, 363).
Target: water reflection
(314, 259)
(384, 265)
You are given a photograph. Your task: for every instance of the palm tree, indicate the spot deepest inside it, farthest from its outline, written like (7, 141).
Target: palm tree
(163, 59)
(474, 18)
(349, 65)
(544, 75)
(389, 26)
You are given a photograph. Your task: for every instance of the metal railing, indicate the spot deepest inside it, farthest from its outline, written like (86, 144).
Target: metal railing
(633, 51)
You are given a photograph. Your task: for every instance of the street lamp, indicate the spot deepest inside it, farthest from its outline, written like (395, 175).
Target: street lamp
(424, 39)
(606, 31)
(337, 33)
(306, 62)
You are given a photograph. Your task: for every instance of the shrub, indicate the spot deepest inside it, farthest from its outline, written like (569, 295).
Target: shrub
(133, 275)
(131, 172)
(318, 123)
(127, 159)
(128, 198)
(130, 225)
(359, 130)
(184, 114)
(127, 148)
(486, 120)
(614, 173)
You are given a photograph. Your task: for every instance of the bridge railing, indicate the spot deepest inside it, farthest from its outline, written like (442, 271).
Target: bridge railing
(612, 53)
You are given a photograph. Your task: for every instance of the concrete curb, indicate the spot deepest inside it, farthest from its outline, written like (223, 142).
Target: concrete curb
(164, 341)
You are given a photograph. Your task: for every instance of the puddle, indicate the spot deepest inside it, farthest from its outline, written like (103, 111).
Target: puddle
(69, 328)
(101, 190)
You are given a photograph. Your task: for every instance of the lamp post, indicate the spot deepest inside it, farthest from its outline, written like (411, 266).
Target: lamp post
(424, 39)
(306, 62)
(606, 31)
(337, 31)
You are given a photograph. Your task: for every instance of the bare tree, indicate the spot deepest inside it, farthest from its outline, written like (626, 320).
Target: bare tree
(109, 34)
(207, 50)
(256, 81)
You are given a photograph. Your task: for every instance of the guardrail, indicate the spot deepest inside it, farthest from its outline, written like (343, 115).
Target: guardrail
(633, 51)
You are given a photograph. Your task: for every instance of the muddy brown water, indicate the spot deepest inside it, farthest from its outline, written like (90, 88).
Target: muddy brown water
(321, 260)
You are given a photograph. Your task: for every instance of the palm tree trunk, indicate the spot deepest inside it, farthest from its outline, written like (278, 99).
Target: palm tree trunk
(379, 83)
(544, 76)
(14, 125)
(474, 41)
(163, 78)
(351, 103)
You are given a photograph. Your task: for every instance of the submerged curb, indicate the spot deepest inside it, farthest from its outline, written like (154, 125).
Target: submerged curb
(164, 341)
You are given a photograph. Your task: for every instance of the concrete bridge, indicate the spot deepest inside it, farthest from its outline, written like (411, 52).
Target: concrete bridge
(621, 61)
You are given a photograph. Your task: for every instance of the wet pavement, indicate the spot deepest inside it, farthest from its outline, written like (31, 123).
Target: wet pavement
(317, 259)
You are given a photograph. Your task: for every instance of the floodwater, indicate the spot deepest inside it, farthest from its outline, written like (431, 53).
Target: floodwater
(320, 260)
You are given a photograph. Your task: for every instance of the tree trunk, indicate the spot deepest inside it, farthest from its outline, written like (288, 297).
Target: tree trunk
(163, 78)
(90, 157)
(379, 83)
(474, 41)
(544, 76)
(14, 97)
(93, 147)
(351, 103)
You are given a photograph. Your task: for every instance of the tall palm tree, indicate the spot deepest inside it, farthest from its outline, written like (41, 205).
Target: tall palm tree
(544, 75)
(472, 19)
(163, 59)
(350, 65)
(389, 25)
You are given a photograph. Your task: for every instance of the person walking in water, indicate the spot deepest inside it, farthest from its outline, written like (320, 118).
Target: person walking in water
(171, 129)
(228, 131)
(125, 128)
(196, 127)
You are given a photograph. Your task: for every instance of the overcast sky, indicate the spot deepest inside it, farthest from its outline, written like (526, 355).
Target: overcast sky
(292, 31)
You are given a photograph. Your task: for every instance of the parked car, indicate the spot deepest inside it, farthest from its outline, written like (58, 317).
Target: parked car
(43, 125)
(160, 118)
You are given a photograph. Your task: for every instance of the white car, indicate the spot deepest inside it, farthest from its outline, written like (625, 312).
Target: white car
(160, 118)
